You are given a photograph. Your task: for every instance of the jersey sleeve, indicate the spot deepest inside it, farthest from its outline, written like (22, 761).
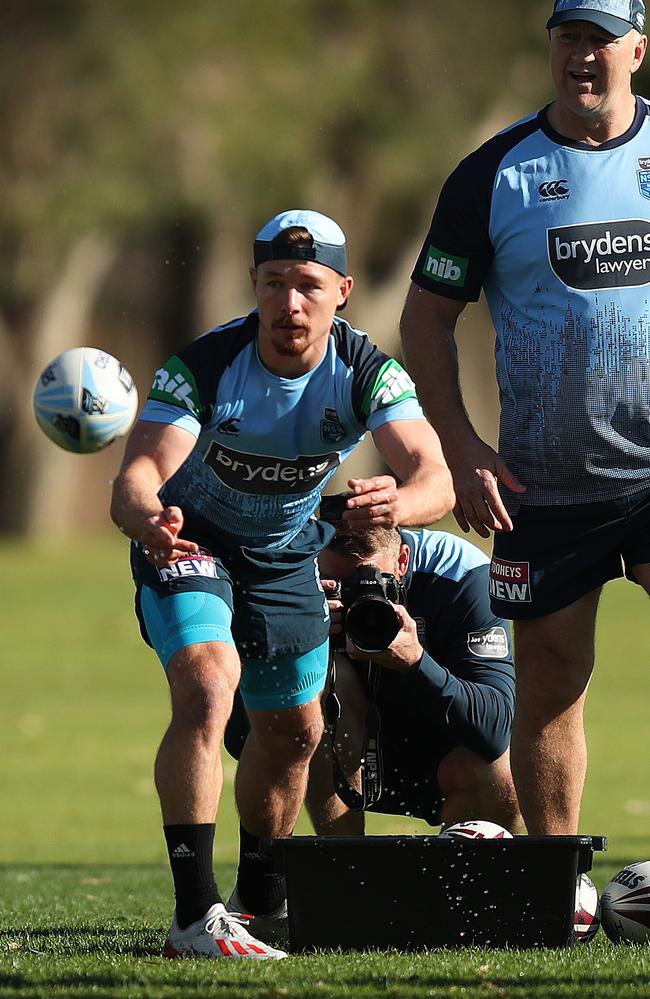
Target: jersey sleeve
(457, 252)
(465, 684)
(382, 390)
(184, 388)
(174, 397)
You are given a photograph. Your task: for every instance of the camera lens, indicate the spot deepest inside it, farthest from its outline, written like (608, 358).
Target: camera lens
(372, 623)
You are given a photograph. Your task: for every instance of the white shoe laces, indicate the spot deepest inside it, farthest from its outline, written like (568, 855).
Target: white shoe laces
(221, 924)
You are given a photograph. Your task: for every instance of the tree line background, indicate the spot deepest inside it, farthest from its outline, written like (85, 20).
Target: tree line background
(144, 142)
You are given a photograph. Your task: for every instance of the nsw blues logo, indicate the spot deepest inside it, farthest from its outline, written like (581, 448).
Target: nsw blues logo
(643, 176)
(644, 182)
(332, 431)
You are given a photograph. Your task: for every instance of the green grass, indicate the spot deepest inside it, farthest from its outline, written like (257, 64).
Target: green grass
(97, 931)
(84, 890)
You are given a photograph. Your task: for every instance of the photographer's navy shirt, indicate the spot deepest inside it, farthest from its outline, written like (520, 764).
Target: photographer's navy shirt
(464, 687)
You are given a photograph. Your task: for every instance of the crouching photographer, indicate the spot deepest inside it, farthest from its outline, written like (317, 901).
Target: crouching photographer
(420, 708)
(420, 700)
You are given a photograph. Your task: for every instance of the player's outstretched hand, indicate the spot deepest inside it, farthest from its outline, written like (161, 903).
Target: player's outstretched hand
(374, 501)
(160, 538)
(477, 474)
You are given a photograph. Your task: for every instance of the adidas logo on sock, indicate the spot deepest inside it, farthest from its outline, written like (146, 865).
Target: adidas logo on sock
(182, 851)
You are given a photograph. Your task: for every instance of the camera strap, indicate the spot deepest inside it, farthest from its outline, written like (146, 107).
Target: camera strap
(371, 761)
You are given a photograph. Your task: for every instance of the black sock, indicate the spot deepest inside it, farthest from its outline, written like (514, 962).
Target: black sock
(260, 883)
(190, 856)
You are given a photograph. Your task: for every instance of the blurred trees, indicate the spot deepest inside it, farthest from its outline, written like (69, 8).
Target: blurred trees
(144, 143)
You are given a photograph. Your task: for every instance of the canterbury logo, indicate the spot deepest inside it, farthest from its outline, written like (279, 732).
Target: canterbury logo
(553, 189)
(230, 427)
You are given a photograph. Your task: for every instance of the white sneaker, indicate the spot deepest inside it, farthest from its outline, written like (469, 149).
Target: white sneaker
(218, 934)
(272, 927)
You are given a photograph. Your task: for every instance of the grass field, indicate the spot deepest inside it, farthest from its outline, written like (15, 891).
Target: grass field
(84, 891)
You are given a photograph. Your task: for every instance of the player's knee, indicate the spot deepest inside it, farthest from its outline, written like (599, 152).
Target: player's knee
(546, 697)
(290, 739)
(202, 689)
(551, 668)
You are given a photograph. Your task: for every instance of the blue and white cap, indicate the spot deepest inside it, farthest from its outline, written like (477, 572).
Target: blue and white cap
(327, 240)
(614, 16)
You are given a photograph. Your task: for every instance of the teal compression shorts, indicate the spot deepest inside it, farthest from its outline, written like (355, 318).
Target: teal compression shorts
(184, 618)
(190, 617)
(284, 682)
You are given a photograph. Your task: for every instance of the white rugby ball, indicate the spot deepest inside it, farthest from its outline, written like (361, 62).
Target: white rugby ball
(625, 905)
(475, 829)
(586, 916)
(84, 399)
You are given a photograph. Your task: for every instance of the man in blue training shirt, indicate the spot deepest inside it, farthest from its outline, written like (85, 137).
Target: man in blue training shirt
(551, 217)
(220, 482)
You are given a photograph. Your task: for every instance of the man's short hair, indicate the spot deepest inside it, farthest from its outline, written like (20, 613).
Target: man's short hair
(364, 542)
(289, 239)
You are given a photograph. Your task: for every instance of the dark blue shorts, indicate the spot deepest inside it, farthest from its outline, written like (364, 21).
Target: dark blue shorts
(555, 555)
(269, 603)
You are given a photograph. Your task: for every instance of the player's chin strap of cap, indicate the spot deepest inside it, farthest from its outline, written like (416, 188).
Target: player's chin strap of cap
(371, 762)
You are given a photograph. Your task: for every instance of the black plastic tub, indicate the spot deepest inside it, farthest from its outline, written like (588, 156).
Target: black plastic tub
(414, 892)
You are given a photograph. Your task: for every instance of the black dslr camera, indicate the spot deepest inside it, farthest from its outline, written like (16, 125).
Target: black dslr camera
(371, 622)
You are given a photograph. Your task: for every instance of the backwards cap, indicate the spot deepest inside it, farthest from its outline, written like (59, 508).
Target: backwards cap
(327, 240)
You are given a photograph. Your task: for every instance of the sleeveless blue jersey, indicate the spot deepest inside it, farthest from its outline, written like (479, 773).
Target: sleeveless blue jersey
(558, 235)
(267, 445)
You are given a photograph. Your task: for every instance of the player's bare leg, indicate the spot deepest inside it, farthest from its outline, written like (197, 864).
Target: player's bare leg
(272, 775)
(554, 658)
(473, 788)
(202, 681)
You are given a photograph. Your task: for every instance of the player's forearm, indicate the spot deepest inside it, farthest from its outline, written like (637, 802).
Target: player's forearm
(426, 496)
(412, 449)
(135, 500)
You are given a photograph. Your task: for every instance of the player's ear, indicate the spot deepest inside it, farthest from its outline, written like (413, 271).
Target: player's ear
(346, 284)
(403, 559)
(252, 271)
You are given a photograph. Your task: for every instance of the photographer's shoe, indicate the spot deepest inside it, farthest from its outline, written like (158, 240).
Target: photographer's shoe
(272, 927)
(218, 934)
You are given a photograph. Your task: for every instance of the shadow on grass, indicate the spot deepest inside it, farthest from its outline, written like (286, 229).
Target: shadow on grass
(193, 980)
(67, 941)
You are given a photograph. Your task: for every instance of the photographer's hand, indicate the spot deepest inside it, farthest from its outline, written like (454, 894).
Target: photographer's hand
(403, 654)
(337, 612)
